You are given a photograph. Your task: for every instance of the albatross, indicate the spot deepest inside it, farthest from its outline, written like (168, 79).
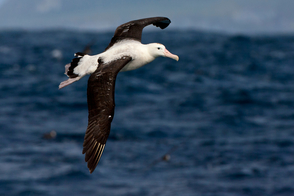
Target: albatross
(125, 52)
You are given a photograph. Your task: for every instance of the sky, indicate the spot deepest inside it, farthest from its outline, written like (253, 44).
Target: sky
(231, 16)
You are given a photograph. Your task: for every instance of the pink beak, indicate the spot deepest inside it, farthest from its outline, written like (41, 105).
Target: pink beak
(170, 55)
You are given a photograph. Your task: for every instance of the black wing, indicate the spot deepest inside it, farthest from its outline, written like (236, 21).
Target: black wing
(100, 98)
(133, 29)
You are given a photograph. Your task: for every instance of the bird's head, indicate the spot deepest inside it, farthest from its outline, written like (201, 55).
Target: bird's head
(157, 50)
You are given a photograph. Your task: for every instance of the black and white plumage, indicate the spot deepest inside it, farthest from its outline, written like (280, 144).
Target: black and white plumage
(125, 52)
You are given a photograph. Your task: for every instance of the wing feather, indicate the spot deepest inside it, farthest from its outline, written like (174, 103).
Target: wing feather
(133, 29)
(100, 98)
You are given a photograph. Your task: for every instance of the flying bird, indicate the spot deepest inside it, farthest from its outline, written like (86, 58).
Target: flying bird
(125, 52)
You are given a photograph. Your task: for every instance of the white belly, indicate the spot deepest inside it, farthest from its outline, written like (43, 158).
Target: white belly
(136, 50)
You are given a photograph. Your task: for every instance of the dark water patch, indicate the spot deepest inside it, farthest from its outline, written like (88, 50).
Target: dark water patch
(284, 191)
(223, 113)
(69, 137)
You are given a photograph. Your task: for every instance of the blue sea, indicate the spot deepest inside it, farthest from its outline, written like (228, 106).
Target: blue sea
(219, 122)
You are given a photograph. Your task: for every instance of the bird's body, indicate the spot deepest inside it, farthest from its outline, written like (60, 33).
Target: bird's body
(134, 49)
(125, 52)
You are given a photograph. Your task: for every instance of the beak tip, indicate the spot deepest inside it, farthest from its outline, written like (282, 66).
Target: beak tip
(172, 56)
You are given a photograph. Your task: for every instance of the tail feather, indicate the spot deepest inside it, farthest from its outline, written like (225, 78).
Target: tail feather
(69, 68)
(78, 74)
(79, 54)
(70, 71)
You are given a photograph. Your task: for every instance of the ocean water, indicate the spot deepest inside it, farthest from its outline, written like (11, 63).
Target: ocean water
(223, 117)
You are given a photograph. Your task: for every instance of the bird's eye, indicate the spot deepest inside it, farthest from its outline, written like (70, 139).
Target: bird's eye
(159, 48)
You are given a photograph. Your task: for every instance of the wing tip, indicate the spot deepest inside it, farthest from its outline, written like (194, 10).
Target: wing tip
(94, 158)
(91, 170)
(162, 23)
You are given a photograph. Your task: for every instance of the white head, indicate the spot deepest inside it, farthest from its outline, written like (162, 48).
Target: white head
(157, 50)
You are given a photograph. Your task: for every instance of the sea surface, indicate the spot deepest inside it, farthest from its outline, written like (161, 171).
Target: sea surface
(219, 122)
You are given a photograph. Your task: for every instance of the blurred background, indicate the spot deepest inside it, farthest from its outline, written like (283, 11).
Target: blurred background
(235, 16)
(219, 121)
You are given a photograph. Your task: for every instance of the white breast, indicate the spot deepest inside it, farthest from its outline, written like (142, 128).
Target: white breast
(136, 50)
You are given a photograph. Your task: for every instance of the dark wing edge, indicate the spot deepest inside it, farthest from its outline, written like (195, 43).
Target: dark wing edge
(133, 29)
(101, 105)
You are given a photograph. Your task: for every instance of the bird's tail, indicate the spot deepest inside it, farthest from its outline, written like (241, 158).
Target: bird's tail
(69, 70)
